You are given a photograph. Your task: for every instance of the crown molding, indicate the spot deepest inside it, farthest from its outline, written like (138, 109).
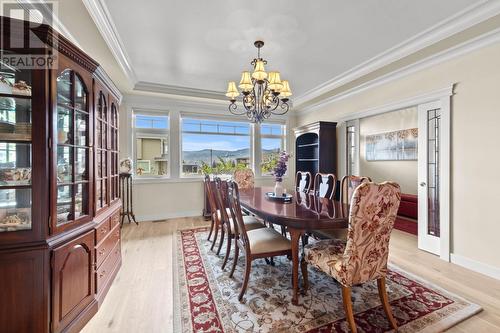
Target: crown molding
(401, 104)
(443, 56)
(177, 90)
(102, 18)
(463, 20)
(106, 80)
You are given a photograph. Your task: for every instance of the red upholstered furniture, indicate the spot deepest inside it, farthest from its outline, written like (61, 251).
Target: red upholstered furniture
(408, 206)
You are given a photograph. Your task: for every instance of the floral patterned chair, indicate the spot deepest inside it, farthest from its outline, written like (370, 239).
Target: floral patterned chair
(364, 256)
(245, 178)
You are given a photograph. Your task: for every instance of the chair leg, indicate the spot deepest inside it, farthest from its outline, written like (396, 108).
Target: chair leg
(248, 267)
(228, 250)
(216, 232)
(305, 240)
(303, 266)
(235, 260)
(382, 292)
(346, 297)
(222, 234)
(283, 231)
(211, 228)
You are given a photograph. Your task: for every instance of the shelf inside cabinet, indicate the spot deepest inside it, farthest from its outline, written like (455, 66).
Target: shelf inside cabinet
(15, 137)
(15, 96)
(315, 144)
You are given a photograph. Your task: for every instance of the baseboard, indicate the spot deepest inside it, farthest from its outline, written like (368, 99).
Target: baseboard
(159, 217)
(476, 266)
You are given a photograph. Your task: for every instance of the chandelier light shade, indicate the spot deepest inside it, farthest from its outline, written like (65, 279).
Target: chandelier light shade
(263, 93)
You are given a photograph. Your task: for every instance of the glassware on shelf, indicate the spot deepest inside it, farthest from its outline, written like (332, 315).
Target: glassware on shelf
(15, 209)
(64, 122)
(15, 82)
(64, 88)
(64, 164)
(80, 95)
(15, 164)
(81, 164)
(81, 202)
(15, 119)
(81, 121)
(64, 204)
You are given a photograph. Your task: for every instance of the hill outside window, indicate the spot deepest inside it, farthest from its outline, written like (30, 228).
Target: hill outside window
(273, 137)
(214, 146)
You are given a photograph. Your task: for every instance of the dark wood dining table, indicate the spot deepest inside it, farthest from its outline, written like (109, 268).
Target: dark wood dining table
(305, 213)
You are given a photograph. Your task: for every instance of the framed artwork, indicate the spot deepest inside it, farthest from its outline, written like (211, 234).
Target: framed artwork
(399, 145)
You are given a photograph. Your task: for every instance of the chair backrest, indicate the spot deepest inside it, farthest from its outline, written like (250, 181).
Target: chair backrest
(303, 181)
(209, 190)
(245, 178)
(348, 185)
(325, 185)
(371, 218)
(235, 208)
(221, 198)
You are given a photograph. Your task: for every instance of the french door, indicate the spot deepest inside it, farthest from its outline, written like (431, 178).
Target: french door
(433, 178)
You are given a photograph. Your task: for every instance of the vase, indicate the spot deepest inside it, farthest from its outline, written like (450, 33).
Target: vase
(278, 189)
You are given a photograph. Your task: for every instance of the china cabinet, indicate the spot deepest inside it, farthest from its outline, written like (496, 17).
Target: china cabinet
(59, 200)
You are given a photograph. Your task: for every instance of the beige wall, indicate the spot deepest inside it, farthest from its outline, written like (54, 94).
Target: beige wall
(402, 172)
(475, 117)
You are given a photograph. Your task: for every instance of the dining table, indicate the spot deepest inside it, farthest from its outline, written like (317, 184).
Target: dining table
(303, 213)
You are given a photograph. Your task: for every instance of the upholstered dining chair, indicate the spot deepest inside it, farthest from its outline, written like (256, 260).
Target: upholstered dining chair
(225, 216)
(363, 257)
(325, 185)
(257, 243)
(245, 178)
(303, 181)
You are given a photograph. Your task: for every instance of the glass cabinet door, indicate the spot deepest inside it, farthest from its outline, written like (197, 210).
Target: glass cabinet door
(15, 149)
(72, 148)
(101, 192)
(114, 152)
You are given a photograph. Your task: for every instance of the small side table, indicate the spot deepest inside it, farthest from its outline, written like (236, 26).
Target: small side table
(126, 196)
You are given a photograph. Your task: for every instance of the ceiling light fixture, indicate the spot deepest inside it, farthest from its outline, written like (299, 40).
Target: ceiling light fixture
(263, 93)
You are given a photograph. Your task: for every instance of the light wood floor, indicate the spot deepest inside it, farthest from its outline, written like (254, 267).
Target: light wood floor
(140, 299)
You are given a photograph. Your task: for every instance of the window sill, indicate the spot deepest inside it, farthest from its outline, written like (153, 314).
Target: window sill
(165, 180)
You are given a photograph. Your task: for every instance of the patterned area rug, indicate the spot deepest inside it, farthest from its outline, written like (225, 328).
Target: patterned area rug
(208, 298)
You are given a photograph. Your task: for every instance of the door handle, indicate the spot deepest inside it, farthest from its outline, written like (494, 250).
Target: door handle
(423, 184)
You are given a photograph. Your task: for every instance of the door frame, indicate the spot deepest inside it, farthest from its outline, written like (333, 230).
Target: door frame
(443, 96)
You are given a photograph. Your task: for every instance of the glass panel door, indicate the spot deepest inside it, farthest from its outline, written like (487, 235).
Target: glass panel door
(15, 149)
(101, 192)
(72, 148)
(429, 177)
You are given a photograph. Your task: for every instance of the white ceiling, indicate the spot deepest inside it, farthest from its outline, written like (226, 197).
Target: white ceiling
(203, 44)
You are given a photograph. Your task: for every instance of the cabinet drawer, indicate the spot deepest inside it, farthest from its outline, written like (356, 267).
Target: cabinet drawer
(105, 247)
(107, 268)
(102, 231)
(115, 218)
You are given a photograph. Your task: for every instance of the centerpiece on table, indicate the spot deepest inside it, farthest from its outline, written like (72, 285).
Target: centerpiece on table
(278, 173)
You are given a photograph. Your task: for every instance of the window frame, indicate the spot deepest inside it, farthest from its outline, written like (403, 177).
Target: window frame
(354, 124)
(151, 133)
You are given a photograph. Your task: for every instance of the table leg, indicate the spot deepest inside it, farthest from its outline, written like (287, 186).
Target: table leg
(295, 235)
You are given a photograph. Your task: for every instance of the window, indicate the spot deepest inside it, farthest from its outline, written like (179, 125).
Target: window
(151, 145)
(213, 146)
(272, 138)
(352, 147)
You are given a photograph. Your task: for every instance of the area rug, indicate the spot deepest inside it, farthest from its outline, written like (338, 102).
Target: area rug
(208, 299)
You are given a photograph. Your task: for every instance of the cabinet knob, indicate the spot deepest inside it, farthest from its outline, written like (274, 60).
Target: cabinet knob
(422, 184)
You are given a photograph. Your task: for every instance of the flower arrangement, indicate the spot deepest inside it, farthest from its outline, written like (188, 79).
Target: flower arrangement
(280, 168)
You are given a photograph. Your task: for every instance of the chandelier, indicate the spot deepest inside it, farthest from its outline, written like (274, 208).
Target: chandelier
(263, 93)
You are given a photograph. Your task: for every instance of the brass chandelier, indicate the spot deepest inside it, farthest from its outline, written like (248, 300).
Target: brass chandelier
(264, 93)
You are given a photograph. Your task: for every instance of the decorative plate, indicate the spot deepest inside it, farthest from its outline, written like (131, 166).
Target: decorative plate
(286, 198)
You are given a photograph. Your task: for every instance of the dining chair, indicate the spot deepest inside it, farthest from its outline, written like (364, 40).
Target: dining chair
(347, 187)
(257, 243)
(225, 216)
(363, 257)
(214, 215)
(325, 185)
(245, 178)
(303, 181)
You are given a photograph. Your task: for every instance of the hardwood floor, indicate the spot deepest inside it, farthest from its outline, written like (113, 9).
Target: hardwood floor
(141, 298)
